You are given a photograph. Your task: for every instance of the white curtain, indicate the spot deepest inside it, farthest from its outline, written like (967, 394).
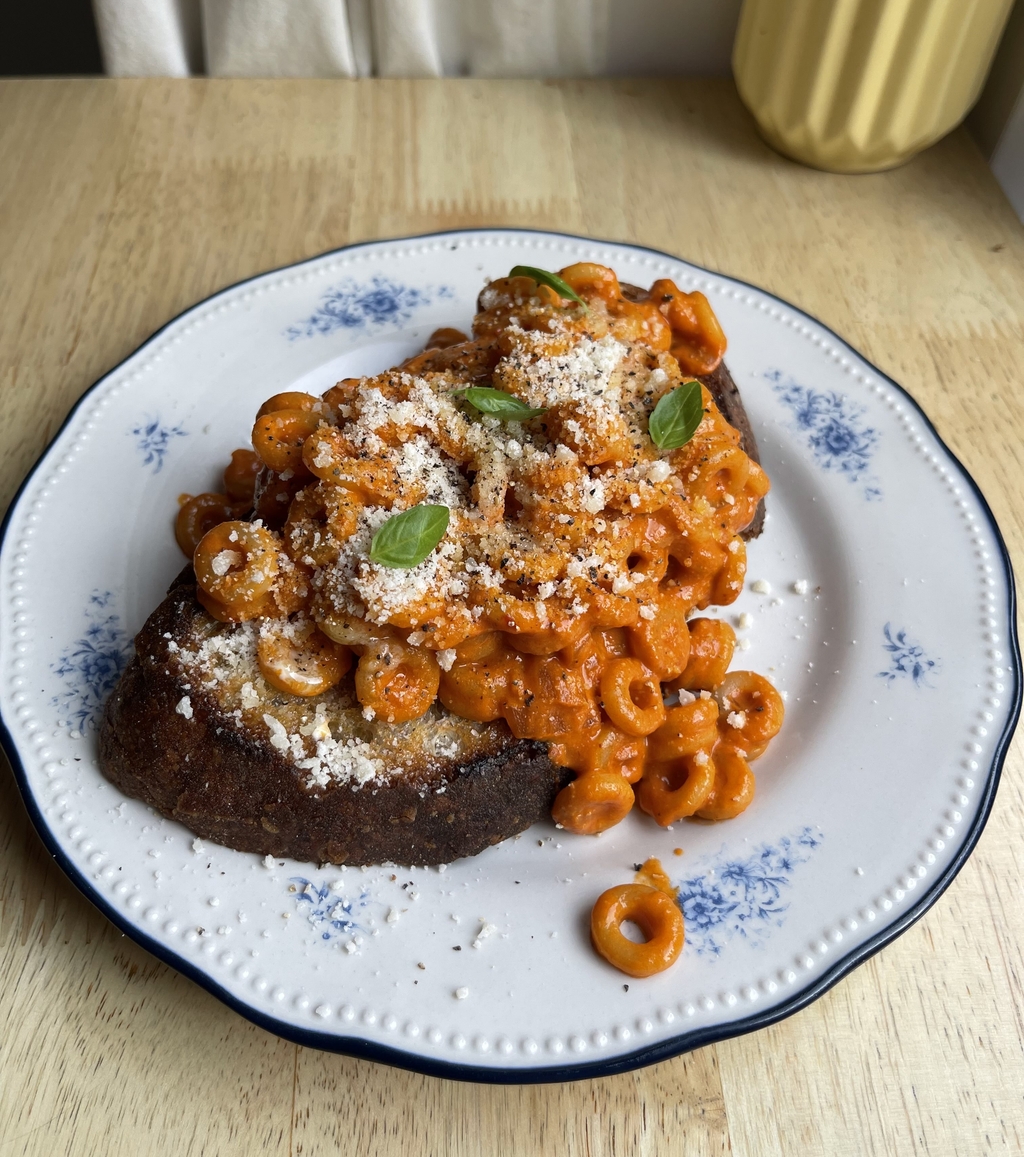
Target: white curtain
(277, 38)
(349, 38)
(150, 38)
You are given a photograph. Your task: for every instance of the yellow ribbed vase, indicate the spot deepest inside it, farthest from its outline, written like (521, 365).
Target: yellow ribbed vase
(855, 86)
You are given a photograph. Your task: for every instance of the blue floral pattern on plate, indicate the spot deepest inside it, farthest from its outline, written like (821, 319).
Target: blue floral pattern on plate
(366, 305)
(743, 896)
(153, 440)
(907, 659)
(331, 914)
(92, 664)
(836, 433)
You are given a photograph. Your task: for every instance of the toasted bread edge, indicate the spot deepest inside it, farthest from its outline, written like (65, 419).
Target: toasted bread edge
(231, 787)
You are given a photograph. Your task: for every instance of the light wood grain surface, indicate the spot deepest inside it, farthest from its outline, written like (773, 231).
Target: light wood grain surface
(124, 202)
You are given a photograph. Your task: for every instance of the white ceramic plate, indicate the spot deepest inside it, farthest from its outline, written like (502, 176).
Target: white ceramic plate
(881, 603)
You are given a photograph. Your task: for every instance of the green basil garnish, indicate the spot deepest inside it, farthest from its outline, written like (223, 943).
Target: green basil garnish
(498, 404)
(407, 538)
(551, 280)
(676, 417)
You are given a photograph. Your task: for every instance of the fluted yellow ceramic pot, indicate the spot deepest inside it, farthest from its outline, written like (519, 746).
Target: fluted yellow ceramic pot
(860, 85)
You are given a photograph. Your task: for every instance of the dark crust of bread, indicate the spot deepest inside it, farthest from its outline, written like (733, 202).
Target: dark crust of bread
(233, 788)
(727, 398)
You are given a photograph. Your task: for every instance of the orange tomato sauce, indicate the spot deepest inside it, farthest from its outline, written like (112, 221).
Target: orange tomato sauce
(562, 599)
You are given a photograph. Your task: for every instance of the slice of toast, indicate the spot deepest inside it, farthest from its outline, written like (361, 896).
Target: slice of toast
(194, 731)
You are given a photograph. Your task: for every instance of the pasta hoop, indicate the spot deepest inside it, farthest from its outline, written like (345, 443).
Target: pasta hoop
(750, 696)
(396, 681)
(712, 643)
(733, 788)
(280, 435)
(240, 476)
(593, 802)
(688, 728)
(631, 697)
(236, 563)
(673, 791)
(654, 912)
(200, 514)
(300, 661)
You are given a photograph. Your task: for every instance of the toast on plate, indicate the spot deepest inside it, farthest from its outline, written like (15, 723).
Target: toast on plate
(506, 537)
(185, 731)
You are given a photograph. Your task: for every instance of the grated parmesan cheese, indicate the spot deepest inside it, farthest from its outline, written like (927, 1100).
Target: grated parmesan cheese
(486, 929)
(278, 733)
(224, 561)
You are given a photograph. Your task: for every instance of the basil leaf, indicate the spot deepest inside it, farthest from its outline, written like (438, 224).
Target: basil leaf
(407, 538)
(498, 404)
(676, 417)
(551, 280)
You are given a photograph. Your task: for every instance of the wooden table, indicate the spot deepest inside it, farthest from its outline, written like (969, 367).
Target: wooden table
(124, 202)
